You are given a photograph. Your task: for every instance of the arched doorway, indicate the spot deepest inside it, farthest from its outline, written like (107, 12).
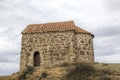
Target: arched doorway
(36, 59)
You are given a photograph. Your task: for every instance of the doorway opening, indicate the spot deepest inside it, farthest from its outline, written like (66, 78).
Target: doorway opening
(36, 59)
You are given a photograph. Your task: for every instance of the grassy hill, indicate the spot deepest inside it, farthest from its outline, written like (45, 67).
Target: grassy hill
(78, 71)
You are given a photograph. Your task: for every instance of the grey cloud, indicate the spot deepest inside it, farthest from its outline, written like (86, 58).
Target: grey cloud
(114, 58)
(7, 71)
(106, 46)
(107, 31)
(112, 5)
(10, 35)
(8, 68)
(103, 52)
(30, 12)
(10, 58)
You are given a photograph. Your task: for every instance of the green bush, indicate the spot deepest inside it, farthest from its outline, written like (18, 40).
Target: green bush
(82, 71)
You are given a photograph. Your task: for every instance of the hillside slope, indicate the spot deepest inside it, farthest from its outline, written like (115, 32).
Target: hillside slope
(80, 71)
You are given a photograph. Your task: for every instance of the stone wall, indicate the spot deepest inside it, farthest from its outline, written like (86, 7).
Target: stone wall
(54, 48)
(84, 47)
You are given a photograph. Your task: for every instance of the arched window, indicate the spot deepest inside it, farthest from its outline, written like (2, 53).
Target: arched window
(36, 59)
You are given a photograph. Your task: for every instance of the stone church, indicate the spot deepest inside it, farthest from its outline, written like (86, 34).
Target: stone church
(55, 43)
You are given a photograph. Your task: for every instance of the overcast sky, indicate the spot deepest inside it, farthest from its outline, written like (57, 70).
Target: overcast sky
(101, 17)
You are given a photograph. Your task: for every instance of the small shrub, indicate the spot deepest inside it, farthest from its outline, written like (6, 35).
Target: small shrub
(65, 64)
(105, 71)
(104, 64)
(22, 75)
(104, 78)
(44, 74)
(82, 71)
(30, 68)
(96, 62)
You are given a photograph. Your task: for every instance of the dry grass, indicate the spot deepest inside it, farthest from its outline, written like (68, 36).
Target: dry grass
(98, 72)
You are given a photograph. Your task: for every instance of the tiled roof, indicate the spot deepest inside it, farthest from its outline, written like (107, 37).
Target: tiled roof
(56, 26)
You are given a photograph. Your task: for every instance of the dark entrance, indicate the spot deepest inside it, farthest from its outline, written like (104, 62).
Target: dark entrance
(36, 59)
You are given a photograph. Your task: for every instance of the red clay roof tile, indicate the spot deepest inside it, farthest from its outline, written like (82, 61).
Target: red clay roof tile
(56, 26)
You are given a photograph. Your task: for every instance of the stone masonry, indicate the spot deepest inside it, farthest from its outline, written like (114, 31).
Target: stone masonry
(55, 43)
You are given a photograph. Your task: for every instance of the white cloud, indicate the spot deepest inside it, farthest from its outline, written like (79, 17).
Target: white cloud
(107, 45)
(114, 58)
(8, 68)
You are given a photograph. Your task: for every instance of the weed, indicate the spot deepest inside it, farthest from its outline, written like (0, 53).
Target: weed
(104, 78)
(30, 68)
(105, 71)
(104, 64)
(65, 64)
(44, 74)
(82, 71)
(23, 74)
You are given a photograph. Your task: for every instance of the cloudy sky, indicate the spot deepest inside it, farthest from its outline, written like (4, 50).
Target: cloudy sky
(101, 17)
